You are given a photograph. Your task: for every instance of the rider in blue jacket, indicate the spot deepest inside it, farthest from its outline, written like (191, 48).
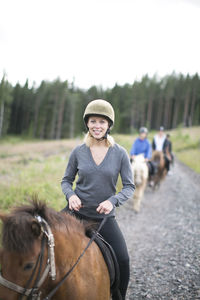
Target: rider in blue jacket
(141, 145)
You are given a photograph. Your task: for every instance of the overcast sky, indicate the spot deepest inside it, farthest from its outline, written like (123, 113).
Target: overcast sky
(98, 42)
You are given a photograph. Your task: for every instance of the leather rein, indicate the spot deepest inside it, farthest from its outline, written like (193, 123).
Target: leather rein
(34, 293)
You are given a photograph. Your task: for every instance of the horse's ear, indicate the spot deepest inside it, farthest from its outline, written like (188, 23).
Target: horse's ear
(3, 217)
(36, 228)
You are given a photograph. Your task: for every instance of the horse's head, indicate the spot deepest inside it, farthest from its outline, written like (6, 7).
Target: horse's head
(139, 169)
(21, 246)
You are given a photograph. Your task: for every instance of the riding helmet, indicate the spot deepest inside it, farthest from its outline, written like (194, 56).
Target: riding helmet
(143, 130)
(100, 107)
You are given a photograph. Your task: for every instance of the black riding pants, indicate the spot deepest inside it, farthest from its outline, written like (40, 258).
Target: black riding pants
(113, 235)
(167, 163)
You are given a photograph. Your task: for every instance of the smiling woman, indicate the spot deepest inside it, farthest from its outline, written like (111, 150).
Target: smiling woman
(99, 161)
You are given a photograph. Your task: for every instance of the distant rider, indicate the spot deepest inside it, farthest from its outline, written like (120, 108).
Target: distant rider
(161, 143)
(141, 145)
(169, 151)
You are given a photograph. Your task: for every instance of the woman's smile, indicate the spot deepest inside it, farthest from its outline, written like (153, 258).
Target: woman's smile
(97, 131)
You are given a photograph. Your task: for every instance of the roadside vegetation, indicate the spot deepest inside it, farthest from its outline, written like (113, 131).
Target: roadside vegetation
(28, 168)
(36, 167)
(186, 145)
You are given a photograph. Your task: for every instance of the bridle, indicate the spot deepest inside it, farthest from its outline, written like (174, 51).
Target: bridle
(34, 293)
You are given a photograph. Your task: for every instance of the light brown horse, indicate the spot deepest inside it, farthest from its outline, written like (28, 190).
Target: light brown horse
(160, 170)
(140, 177)
(23, 241)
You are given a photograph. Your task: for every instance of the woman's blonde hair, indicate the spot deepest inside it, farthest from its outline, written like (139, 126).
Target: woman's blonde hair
(88, 140)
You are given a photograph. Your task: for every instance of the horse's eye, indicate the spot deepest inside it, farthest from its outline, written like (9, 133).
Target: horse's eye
(28, 266)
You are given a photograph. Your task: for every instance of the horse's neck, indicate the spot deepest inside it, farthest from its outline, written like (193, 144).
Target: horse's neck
(158, 158)
(69, 244)
(139, 165)
(140, 169)
(139, 158)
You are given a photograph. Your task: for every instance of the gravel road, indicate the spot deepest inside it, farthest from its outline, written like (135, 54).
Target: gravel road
(164, 239)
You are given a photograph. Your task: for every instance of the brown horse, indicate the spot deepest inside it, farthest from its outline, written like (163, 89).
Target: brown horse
(39, 246)
(160, 170)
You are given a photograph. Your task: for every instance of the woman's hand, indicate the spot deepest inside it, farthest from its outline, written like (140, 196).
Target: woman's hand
(105, 207)
(74, 203)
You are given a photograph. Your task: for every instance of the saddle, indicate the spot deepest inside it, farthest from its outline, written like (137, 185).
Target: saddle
(111, 262)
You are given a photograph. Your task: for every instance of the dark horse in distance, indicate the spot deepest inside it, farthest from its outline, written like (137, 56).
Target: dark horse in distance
(159, 164)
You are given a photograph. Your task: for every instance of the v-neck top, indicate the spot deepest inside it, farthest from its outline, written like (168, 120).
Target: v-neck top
(103, 160)
(97, 183)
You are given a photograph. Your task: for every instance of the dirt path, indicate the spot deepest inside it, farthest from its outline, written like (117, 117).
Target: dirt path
(164, 239)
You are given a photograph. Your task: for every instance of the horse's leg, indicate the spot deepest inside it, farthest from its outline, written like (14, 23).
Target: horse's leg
(141, 193)
(143, 187)
(136, 200)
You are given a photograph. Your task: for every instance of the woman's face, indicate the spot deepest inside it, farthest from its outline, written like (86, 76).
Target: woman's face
(97, 126)
(143, 135)
(161, 133)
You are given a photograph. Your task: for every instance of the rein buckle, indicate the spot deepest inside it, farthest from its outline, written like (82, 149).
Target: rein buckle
(36, 294)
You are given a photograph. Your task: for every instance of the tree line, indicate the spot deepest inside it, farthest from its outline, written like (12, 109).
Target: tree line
(54, 110)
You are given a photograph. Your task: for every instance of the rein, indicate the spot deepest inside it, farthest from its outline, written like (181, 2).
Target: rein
(34, 293)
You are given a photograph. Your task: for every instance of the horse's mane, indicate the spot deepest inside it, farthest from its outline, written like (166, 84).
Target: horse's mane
(139, 159)
(138, 163)
(17, 234)
(158, 157)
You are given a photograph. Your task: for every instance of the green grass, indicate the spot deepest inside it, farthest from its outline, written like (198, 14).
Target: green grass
(42, 178)
(14, 139)
(33, 168)
(185, 139)
(191, 158)
(186, 146)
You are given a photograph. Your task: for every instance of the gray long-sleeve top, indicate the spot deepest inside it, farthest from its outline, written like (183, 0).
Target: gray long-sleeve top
(97, 183)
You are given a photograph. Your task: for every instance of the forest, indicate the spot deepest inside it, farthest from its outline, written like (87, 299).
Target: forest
(54, 110)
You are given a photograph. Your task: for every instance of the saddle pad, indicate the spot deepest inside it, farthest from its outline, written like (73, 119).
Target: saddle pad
(110, 259)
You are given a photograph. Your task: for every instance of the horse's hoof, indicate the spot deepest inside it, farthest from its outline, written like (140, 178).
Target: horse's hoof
(136, 210)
